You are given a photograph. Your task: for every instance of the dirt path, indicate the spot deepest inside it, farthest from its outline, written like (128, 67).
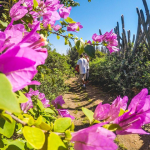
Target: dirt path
(90, 97)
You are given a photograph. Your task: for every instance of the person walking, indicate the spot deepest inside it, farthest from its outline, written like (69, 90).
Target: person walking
(88, 67)
(82, 64)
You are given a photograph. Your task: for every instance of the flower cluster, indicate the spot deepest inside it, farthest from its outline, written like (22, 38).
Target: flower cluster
(47, 12)
(109, 39)
(130, 121)
(58, 102)
(41, 96)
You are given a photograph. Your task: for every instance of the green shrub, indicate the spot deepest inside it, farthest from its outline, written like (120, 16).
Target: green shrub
(53, 75)
(122, 75)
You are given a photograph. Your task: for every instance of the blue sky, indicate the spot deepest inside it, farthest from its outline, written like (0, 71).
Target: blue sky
(101, 14)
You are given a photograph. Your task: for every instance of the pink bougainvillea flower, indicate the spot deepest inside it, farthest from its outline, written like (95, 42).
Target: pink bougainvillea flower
(2, 40)
(19, 70)
(18, 11)
(45, 102)
(117, 104)
(112, 49)
(19, 63)
(41, 96)
(26, 106)
(130, 124)
(64, 12)
(13, 36)
(138, 115)
(140, 105)
(122, 103)
(50, 18)
(53, 5)
(57, 27)
(29, 3)
(97, 38)
(109, 112)
(58, 101)
(109, 36)
(74, 27)
(31, 26)
(89, 42)
(65, 113)
(32, 92)
(109, 39)
(102, 111)
(94, 137)
(19, 27)
(138, 101)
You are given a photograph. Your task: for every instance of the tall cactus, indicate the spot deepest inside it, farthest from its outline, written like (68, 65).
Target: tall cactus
(142, 36)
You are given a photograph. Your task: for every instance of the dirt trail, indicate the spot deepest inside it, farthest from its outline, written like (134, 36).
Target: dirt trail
(90, 97)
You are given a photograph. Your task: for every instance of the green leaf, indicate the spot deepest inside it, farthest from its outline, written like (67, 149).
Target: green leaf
(44, 126)
(40, 105)
(55, 142)
(66, 41)
(21, 97)
(63, 23)
(79, 44)
(34, 136)
(68, 135)
(122, 112)
(7, 117)
(38, 121)
(31, 121)
(16, 145)
(48, 110)
(5, 17)
(58, 37)
(8, 101)
(69, 20)
(62, 124)
(72, 127)
(6, 128)
(90, 50)
(35, 3)
(88, 113)
(4, 24)
(112, 127)
(70, 44)
(27, 19)
(29, 146)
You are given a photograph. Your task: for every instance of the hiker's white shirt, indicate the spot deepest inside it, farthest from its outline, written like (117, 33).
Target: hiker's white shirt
(82, 62)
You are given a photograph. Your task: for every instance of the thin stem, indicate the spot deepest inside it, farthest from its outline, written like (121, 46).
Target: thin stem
(15, 118)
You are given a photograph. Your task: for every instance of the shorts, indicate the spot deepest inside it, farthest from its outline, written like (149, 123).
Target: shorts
(82, 77)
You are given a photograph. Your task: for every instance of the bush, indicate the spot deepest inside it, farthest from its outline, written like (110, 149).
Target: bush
(53, 75)
(73, 56)
(122, 75)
